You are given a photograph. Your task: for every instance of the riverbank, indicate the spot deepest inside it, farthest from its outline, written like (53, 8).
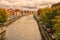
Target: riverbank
(44, 33)
(4, 25)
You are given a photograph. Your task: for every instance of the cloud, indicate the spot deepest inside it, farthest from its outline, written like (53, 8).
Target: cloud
(26, 2)
(31, 3)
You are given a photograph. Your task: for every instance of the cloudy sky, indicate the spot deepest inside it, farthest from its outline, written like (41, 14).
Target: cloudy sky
(30, 3)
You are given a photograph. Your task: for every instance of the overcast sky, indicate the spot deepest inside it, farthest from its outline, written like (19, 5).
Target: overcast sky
(32, 3)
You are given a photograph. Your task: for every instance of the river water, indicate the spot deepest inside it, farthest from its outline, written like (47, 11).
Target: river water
(26, 28)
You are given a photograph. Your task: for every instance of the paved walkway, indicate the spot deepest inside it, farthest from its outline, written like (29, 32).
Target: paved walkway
(25, 28)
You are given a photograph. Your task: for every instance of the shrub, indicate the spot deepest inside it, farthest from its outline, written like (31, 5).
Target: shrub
(3, 16)
(51, 19)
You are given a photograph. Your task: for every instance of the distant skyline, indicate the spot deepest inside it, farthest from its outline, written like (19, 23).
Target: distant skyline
(30, 3)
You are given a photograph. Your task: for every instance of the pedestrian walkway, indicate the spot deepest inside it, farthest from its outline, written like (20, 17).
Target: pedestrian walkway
(25, 28)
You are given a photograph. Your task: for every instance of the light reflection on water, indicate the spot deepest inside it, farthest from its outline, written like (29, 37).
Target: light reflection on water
(25, 28)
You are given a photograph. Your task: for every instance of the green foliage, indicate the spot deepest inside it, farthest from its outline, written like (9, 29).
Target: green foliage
(55, 5)
(51, 19)
(3, 16)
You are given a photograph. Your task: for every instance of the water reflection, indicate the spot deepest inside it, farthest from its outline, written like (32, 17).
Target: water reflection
(25, 28)
(2, 35)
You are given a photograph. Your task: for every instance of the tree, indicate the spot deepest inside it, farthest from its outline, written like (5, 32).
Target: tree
(3, 16)
(56, 4)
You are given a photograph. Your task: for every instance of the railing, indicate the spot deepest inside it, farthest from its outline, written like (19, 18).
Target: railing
(45, 34)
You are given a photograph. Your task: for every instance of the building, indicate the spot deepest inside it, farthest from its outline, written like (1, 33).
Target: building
(29, 12)
(18, 12)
